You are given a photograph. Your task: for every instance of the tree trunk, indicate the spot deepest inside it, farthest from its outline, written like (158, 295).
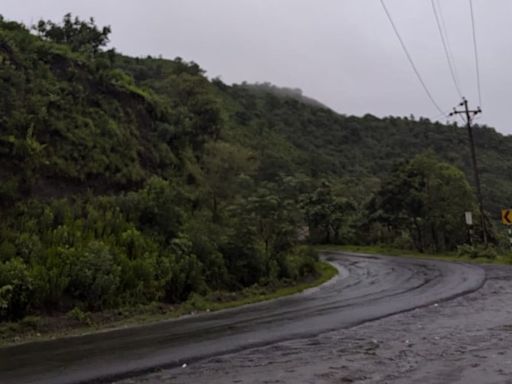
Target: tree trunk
(419, 246)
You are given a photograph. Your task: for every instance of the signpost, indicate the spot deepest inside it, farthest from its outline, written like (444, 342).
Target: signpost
(469, 217)
(506, 218)
(469, 223)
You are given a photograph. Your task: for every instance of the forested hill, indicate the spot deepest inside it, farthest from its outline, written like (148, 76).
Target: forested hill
(298, 135)
(132, 180)
(326, 143)
(87, 99)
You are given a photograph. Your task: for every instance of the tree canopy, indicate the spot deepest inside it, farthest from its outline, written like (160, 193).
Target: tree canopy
(79, 35)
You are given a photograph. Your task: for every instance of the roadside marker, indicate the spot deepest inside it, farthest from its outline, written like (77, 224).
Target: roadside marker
(469, 217)
(506, 216)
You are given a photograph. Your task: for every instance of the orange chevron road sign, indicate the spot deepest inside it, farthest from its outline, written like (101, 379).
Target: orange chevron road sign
(506, 216)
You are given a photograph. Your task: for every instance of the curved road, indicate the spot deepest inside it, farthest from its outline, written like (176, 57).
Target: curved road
(368, 288)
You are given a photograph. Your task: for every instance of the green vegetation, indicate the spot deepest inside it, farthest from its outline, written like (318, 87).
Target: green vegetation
(77, 321)
(138, 182)
(420, 205)
(115, 194)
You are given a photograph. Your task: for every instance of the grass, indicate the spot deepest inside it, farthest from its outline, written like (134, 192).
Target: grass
(386, 250)
(77, 322)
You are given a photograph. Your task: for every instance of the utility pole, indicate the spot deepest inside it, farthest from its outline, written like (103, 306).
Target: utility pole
(469, 114)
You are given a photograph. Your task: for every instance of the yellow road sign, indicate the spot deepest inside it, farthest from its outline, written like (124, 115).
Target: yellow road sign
(506, 216)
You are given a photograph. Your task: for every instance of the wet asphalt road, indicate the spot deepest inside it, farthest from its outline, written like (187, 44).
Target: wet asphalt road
(467, 340)
(368, 288)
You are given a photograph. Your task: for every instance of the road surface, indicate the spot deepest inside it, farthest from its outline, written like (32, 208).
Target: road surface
(467, 340)
(368, 288)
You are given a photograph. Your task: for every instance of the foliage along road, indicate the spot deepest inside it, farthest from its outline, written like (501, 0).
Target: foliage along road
(368, 288)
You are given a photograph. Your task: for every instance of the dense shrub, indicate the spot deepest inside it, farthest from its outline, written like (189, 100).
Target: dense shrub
(474, 252)
(16, 290)
(300, 262)
(94, 276)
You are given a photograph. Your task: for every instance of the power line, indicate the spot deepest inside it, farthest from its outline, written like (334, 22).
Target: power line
(445, 47)
(476, 53)
(415, 69)
(438, 116)
(448, 117)
(445, 31)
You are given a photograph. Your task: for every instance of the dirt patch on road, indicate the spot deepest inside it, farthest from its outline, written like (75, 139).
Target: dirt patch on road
(466, 340)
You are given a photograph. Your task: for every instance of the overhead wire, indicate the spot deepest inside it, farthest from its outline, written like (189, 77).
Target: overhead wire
(477, 66)
(447, 117)
(409, 57)
(444, 40)
(437, 117)
(445, 31)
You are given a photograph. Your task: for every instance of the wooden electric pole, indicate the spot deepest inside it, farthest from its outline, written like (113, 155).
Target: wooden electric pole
(469, 114)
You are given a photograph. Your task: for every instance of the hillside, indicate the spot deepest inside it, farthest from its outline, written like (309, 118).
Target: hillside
(298, 136)
(128, 181)
(115, 195)
(365, 147)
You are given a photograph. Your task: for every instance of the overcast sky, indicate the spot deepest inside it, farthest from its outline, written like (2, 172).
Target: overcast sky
(342, 52)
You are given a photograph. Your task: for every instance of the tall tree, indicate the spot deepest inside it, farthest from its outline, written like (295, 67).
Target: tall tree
(427, 198)
(79, 35)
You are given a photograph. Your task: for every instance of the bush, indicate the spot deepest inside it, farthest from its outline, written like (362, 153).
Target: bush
(245, 262)
(139, 281)
(94, 277)
(5, 299)
(196, 302)
(28, 246)
(183, 274)
(7, 251)
(8, 191)
(299, 263)
(160, 205)
(51, 279)
(204, 238)
(16, 289)
(474, 252)
(404, 241)
(80, 316)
